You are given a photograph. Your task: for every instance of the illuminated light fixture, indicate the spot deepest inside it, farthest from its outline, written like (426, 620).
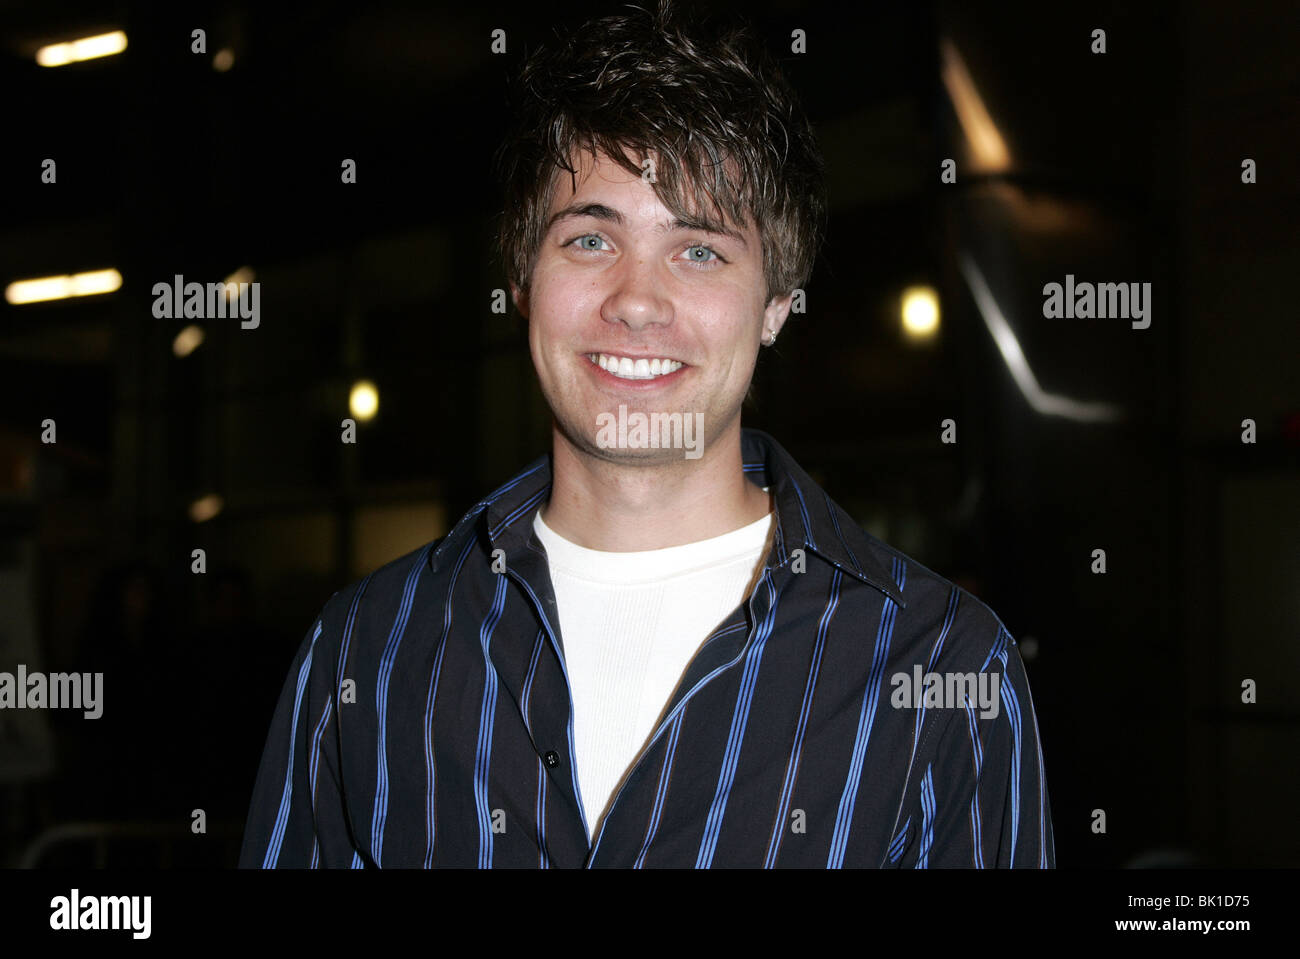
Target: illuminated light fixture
(987, 146)
(244, 274)
(223, 59)
(87, 48)
(364, 400)
(206, 507)
(62, 287)
(188, 340)
(920, 312)
(1049, 404)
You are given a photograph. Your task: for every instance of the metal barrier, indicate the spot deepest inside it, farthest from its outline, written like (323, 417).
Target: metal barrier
(165, 836)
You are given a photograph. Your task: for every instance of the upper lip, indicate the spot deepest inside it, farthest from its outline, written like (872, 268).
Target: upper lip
(635, 356)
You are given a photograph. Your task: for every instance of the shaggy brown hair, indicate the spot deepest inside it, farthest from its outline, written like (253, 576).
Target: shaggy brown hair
(725, 126)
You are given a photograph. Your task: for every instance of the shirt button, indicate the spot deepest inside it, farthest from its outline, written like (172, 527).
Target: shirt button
(551, 758)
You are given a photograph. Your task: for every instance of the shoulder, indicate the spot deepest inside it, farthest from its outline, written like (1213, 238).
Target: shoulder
(369, 607)
(956, 626)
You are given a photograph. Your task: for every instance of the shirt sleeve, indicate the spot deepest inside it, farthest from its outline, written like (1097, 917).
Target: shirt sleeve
(982, 801)
(298, 815)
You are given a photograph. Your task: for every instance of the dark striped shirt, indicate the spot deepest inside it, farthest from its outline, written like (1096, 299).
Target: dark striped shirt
(427, 720)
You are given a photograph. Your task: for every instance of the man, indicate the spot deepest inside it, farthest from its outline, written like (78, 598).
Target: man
(663, 645)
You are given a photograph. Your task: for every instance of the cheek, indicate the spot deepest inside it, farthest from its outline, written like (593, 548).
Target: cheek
(563, 301)
(729, 316)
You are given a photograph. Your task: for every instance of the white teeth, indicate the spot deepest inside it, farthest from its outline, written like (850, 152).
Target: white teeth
(640, 369)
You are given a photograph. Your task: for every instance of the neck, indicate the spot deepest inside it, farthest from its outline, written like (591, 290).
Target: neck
(626, 507)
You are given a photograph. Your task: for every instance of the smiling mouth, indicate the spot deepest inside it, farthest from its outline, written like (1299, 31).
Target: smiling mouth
(626, 368)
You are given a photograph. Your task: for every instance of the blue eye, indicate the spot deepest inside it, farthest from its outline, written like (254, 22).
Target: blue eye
(588, 236)
(595, 247)
(701, 246)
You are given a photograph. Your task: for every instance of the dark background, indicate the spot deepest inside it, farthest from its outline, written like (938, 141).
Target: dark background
(1124, 167)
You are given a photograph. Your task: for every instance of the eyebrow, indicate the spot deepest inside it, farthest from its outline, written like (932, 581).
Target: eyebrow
(601, 212)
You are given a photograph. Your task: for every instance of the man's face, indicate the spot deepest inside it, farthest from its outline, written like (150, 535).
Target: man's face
(616, 276)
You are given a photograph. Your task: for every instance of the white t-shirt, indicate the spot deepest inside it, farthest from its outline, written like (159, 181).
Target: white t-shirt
(630, 624)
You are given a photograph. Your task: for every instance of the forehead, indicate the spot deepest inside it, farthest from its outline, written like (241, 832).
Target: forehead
(595, 175)
(602, 179)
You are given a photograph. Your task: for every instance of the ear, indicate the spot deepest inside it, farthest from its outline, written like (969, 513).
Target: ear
(775, 313)
(520, 298)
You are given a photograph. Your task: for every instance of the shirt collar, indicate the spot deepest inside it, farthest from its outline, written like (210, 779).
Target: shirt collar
(807, 518)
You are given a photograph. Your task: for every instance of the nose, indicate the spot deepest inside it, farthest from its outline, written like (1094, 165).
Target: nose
(637, 299)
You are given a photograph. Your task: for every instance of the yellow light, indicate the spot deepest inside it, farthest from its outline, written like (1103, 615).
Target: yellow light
(920, 311)
(97, 281)
(206, 507)
(244, 274)
(988, 149)
(62, 287)
(87, 48)
(223, 60)
(364, 400)
(188, 340)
